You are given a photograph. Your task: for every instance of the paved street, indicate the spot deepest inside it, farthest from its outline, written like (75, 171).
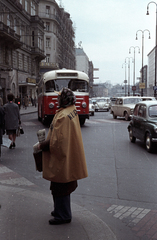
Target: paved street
(119, 195)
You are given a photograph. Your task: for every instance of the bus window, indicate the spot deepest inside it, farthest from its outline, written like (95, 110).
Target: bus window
(74, 85)
(49, 86)
(78, 85)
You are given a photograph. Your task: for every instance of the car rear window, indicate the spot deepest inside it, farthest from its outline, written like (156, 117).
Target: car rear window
(152, 111)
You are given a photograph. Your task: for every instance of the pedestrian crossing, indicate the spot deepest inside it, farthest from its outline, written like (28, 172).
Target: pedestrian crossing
(133, 213)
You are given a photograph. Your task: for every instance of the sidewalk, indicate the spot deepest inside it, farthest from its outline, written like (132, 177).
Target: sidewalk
(29, 109)
(24, 215)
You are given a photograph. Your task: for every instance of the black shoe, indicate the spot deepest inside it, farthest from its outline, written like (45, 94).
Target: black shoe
(11, 145)
(58, 222)
(52, 213)
(14, 145)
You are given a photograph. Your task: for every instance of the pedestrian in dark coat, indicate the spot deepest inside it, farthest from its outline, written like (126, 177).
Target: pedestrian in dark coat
(12, 119)
(1, 126)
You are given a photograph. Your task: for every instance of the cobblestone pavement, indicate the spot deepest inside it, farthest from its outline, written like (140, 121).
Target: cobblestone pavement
(143, 222)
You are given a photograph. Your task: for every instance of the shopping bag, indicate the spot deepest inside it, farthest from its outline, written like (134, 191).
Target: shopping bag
(38, 160)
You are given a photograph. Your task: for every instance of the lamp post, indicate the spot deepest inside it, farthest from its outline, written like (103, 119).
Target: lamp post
(146, 30)
(134, 63)
(125, 81)
(155, 45)
(129, 73)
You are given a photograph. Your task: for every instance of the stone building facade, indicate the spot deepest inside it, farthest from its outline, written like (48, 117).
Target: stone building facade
(35, 36)
(59, 38)
(21, 47)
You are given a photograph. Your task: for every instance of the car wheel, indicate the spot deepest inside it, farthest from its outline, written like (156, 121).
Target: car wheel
(132, 138)
(126, 115)
(114, 116)
(149, 144)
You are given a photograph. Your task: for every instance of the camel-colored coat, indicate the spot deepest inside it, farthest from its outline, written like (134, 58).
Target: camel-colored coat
(65, 162)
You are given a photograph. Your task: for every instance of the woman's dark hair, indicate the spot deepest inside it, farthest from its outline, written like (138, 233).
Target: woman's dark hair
(10, 97)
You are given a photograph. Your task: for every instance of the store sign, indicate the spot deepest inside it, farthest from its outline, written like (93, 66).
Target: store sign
(31, 80)
(142, 85)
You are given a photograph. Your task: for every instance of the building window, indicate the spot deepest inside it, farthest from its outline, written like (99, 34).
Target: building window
(47, 26)
(21, 1)
(8, 20)
(32, 8)
(15, 24)
(32, 38)
(47, 58)
(48, 10)
(26, 5)
(47, 42)
(39, 42)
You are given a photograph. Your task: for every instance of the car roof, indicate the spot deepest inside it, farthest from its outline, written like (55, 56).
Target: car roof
(147, 103)
(128, 97)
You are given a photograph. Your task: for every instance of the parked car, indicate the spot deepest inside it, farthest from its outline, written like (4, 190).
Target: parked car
(148, 98)
(102, 104)
(143, 125)
(124, 107)
(91, 107)
(112, 101)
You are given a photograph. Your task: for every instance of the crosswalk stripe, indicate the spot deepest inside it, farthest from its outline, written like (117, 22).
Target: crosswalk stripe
(121, 212)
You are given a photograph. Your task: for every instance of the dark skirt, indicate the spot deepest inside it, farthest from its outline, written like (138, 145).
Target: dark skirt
(10, 132)
(63, 189)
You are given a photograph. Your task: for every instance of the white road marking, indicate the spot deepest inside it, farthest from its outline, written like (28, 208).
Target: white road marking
(121, 212)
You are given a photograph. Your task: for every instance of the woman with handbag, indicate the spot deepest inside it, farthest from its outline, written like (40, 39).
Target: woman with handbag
(63, 158)
(1, 126)
(12, 119)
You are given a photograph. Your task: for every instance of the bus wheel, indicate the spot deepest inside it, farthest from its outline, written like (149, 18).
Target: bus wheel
(82, 121)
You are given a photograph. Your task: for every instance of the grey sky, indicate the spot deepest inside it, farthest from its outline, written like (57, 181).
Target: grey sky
(108, 29)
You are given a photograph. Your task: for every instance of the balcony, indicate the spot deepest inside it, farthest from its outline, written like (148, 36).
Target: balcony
(49, 65)
(37, 53)
(49, 16)
(9, 36)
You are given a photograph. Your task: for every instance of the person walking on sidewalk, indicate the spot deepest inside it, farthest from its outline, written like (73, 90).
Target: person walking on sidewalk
(11, 118)
(63, 156)
(1, 126)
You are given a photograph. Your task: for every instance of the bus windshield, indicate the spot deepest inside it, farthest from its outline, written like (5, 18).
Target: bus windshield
(74, 84)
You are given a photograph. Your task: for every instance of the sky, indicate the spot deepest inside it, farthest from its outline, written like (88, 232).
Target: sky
(107, 30)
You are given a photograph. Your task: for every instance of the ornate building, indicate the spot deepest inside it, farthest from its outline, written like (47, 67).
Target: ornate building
(21, 47)
(59, 37)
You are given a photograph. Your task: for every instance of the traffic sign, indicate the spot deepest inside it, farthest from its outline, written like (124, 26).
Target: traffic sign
(155, 88)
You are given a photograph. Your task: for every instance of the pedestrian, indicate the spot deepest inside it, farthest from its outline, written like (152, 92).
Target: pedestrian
(12, 119)
(26, 101)
(1, 126)
(63, 156)
(35, 101)
(1, 101)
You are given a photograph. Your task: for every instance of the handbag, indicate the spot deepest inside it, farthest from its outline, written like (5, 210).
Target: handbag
(21, 130)
(38, 160)
(18, 132)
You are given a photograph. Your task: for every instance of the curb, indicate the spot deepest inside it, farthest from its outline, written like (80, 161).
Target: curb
(91, 226)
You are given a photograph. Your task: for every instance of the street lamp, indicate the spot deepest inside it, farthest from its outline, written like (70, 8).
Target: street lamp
(125, 81)
(129, 73)
(155, 45)
(134, 62)
(146, 30)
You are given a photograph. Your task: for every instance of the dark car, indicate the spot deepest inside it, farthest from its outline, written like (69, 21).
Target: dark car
(143, 124)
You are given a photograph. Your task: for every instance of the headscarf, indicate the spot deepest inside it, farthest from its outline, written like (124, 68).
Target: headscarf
(66, 98)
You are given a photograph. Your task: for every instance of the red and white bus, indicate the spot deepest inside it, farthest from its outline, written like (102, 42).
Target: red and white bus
(55, 80)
